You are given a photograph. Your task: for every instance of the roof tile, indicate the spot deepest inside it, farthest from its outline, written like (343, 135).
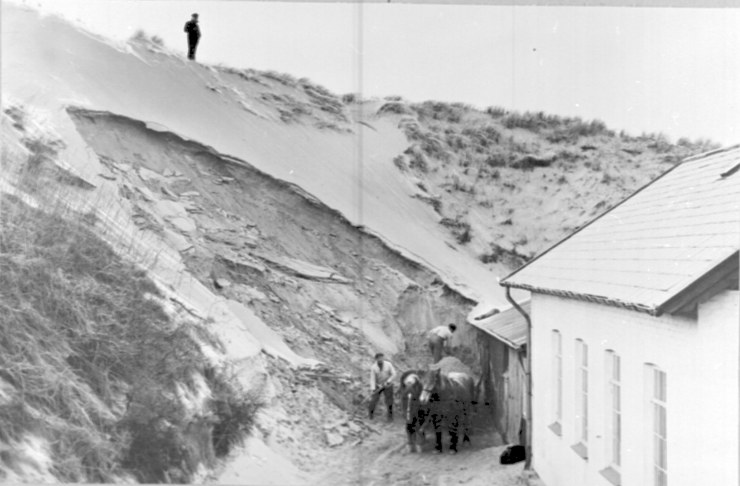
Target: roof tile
(654, 244)
(508, 326)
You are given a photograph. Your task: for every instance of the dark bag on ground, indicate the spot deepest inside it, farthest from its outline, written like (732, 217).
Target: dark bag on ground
(513, 454)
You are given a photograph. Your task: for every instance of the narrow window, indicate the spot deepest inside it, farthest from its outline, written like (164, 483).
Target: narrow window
(615, 408)
(582, 391)
(613, 414)
(557, 381)
(658, 419)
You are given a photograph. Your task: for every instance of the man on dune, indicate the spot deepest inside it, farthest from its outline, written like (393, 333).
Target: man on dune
(193, 31)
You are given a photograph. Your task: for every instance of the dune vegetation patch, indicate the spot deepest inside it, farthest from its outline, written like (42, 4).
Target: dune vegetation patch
(548, 171)
(295, 99)
(142, 37)
(94, 368)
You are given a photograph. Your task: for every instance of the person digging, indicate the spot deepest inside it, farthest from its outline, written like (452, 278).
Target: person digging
(382, 373)
(439, 341)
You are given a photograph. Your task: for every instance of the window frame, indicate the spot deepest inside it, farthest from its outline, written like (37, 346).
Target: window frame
(581, 398)
(612, 417)
(556, 346)
(656, 430)
(614, 412)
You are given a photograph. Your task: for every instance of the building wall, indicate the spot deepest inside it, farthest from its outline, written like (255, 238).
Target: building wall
(700, 358)
(515, 383)
(493, 363)
(503, 385)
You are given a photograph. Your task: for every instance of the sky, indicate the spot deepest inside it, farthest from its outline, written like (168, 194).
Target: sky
(669, 70)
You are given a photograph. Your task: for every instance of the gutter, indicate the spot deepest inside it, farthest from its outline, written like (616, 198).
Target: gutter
(598, 299)
(528, 370)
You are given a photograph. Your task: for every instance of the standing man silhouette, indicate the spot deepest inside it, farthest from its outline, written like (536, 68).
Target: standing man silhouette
(191, 27)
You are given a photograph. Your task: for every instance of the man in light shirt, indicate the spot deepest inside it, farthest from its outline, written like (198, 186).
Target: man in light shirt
(439, 340)
(381, 381)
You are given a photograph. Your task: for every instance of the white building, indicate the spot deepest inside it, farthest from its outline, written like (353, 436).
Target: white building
(635, 343)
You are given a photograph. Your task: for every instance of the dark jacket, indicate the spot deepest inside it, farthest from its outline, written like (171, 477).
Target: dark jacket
(192, 29)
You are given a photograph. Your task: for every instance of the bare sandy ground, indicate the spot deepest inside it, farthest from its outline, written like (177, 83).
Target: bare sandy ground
(383, 459)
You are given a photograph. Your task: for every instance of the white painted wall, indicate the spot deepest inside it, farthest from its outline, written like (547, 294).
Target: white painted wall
(700, 358)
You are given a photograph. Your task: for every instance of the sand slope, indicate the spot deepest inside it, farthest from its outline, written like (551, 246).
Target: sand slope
(52, 65)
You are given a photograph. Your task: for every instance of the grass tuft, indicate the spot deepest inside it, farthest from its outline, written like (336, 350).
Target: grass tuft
(234, 413)
(90, 361)
(151, 40)
(394, 107)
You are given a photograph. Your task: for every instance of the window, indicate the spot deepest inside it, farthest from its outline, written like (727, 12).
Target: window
(581, 398)
(557, 381)
(658, 425)
(613, 414)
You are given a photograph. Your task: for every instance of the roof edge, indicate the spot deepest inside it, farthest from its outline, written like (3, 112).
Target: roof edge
(693, 290)
(496, 336)
(675, 302)
(709, 153)
(596, 299)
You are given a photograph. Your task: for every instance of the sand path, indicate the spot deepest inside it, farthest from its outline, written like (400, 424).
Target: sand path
(383, 459)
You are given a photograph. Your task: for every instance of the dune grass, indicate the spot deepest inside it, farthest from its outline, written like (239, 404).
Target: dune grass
(91, 362)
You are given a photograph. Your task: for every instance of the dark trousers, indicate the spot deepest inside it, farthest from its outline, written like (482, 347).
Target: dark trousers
(436, 347)
(192, 45)
(387, 392)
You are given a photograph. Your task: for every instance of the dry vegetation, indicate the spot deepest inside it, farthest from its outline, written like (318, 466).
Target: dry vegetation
(93, 370)
(509, 184)
(152, 42)
(90, 362)
(296, 100)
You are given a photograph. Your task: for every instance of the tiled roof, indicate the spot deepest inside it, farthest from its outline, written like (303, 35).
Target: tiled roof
(652, 246)
(508, 326)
